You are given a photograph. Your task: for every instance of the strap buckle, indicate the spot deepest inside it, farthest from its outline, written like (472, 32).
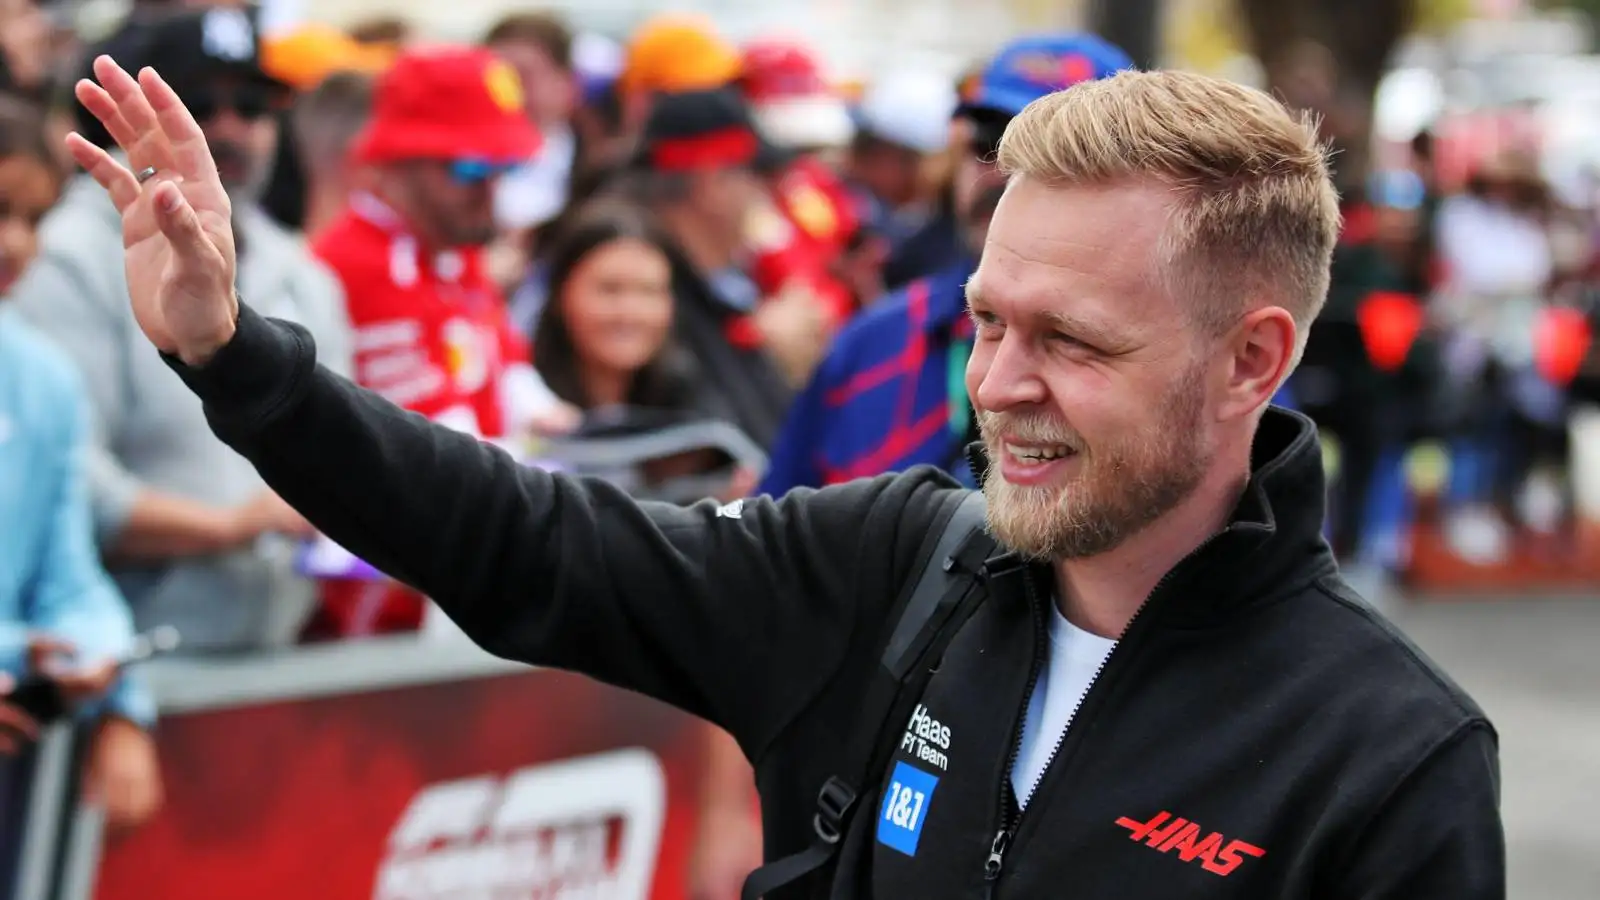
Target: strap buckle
(834, 803)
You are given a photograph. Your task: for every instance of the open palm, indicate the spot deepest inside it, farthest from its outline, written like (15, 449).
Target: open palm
(177, 235)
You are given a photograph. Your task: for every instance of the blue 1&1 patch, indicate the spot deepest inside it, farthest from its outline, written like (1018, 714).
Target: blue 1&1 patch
(905, 808)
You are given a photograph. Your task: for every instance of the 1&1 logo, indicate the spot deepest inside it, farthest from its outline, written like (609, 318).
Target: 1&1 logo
(905, 808)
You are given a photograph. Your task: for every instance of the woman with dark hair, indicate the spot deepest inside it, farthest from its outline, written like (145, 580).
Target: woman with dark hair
(604, 341)
(604, 336)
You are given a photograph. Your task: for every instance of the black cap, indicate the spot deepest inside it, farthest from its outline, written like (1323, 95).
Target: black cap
(189, 47)
(704, 129)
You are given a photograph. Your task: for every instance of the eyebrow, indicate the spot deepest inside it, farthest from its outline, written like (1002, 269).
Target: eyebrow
(1055, 320)
(1087, 329)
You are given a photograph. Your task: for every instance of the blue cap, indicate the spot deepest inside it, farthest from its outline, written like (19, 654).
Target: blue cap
(1031, 67)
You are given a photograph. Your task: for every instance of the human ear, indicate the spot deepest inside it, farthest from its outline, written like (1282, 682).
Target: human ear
(1260, 348)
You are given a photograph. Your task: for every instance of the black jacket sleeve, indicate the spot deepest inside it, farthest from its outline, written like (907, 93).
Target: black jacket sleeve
(737, 614)
(1440, 833)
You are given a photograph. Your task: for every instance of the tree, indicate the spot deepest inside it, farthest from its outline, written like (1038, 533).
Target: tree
(1329, 56)
(1133, 25)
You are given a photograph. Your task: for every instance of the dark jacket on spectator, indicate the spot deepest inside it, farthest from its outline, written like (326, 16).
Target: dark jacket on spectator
(740, 385)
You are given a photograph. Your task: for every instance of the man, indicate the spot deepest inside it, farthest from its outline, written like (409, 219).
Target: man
(904, 122)
(325, 69)
(695, 171)
(806, 233)
(432, 332)
(538, 45)
(183, 519)
(325, 122)
(669, 53)
(889, 395)
(1167, 690)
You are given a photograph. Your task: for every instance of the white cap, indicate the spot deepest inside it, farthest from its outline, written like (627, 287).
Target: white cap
(910, 108)
(821, 120)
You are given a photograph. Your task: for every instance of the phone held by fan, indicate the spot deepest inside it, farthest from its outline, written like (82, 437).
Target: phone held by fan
(43, 700)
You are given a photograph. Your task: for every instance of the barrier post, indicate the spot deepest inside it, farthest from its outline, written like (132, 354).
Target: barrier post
(48, 777)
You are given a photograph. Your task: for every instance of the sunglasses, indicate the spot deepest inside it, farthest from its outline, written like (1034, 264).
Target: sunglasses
(477, 171)
(247, 101)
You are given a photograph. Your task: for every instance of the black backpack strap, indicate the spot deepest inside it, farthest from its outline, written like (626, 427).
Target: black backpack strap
(942, 598)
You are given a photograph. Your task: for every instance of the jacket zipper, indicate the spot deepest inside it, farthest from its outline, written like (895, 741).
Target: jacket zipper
(1012, 814)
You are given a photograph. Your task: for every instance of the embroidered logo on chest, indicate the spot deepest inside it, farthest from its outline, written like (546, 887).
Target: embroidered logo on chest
(1215, 853)
(927, 739)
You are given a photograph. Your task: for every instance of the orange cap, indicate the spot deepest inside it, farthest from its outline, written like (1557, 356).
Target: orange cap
(303, 57)
(676, 52)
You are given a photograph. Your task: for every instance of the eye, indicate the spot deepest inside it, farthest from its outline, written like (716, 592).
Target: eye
(988, 324)
(1073, 345)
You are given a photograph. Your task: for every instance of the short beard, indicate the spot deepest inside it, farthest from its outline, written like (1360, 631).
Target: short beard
(1121, 490)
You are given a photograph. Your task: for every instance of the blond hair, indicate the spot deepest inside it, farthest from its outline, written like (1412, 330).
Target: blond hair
(1255, 216)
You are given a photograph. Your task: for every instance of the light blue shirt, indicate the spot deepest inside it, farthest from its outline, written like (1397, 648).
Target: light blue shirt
(51, 579)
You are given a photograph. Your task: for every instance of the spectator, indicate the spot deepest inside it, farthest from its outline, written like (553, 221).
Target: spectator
(597, 118)
(605, 338)
(605, 343)
(696, 172)
(25, 44)
(672, 53)
(904, 119)
(539, 47)
(1365, 383)
(1495, 249)
(59, 611)
(431, 328)
(810, 237)
(942, 237)
(890, 394)
(306, 188)
(325, 122)
(181, 516)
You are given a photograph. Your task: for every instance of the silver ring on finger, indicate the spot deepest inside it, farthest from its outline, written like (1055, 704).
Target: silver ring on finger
(145, 174)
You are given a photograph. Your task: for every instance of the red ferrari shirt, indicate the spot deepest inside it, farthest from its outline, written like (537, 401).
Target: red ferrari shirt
(431, 335)
(431, 329)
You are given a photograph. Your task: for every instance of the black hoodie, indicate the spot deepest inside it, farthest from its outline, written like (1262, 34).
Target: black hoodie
(1258, 732)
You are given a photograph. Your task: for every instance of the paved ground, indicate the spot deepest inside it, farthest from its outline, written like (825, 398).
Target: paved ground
(1534, 666)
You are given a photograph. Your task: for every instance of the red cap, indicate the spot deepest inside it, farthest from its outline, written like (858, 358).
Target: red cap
(793, 104)
(448, 103)
(779, 70)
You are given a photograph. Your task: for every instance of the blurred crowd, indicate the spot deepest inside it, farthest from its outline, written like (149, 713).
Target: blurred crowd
(695, 267)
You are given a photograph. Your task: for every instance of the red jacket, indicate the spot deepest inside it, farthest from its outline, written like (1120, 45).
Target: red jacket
(431, 335)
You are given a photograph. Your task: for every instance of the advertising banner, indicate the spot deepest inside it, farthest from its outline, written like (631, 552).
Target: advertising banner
(530, 785)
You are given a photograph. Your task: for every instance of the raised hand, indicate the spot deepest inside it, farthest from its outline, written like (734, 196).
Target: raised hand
(177, 235)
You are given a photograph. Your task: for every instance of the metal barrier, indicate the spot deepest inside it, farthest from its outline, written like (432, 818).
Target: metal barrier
(389, 769)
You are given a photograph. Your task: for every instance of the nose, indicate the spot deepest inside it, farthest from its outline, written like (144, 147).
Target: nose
(1004, 374)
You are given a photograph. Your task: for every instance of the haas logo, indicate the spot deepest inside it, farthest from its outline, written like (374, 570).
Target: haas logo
(588, 827)
(1215, 853)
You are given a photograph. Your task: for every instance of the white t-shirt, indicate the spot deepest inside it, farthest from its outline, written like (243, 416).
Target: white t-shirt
(1074, 657)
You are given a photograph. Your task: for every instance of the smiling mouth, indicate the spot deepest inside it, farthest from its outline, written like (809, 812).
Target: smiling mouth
(1037, 454)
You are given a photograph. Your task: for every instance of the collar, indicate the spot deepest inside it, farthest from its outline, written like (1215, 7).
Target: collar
(407, 260)
(1273, 544)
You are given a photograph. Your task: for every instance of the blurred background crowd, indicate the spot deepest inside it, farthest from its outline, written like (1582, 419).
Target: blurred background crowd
(721, 252)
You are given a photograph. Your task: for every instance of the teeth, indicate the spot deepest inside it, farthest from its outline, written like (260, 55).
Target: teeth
(1029, 454)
